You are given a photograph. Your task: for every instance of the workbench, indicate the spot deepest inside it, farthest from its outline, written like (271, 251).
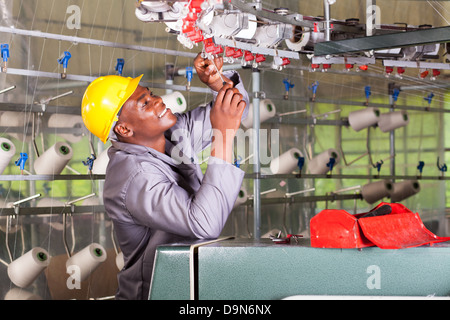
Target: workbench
(245, 269)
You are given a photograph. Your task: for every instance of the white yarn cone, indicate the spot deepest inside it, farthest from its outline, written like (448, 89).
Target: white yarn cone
(362, 119)
(286, 162)
(375, 191)
(267, 110)
(318, 164)
(7, 151)
(57, 120)
(18, 121)
(100, 164)
(404, 189)
(175, 101)
(87, 260)
(393, 120)
(53, 160)
(24, 270)
(241, 198)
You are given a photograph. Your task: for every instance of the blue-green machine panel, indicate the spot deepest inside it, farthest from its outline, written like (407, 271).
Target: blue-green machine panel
(246, 269)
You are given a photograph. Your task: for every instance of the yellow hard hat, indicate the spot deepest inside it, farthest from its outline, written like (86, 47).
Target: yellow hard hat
(102, 101)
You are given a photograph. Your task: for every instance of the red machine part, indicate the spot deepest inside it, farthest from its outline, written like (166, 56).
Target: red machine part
(286, 61)
(248, 56)
(238, 53)
(211, 47)
(189, 28)
(399, 229)
(337, 229)
(436, 72)
(229, 51)
(364, 67)
(424, 74)
(260, 58)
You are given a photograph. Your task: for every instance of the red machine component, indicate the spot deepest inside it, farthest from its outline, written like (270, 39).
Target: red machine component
(189, 28)
(388, 226)
(248, 56)
(195, 36)
(260, 58)
(287, 239)
(424, 74)
(326, 66)
(229, 51)
(389, 70)
(286, 61)
(238, 53)
(218, 50)
(211, 47)
(436, 72)
(315, 66)
(400, 70)
(348, 66)
(316, 27)
(364, 67)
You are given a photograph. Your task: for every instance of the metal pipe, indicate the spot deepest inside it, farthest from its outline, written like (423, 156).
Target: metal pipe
(256, 79)
(53, 75)
(72, 39)
(79, 199)
(26, 199)
(225, 67)
(45, 101)
(326, 10)
(7, 89)
(66, 246)
(8, 249)
(291, 194)
(392, 142)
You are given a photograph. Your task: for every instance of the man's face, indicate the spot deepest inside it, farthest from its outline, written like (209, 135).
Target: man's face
(146, 115)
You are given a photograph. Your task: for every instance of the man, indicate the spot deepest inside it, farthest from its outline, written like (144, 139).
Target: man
(154, 189)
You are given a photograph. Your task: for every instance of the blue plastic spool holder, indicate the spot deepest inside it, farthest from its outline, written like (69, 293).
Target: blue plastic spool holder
(64, 60)
(5, 55)
(21, 161)
(189, 76)
(89, 162)
(287, 87)
(119, 66)
(331, 164)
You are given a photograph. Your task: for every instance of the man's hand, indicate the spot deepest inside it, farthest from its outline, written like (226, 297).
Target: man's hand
(225, 120)
(207, 72)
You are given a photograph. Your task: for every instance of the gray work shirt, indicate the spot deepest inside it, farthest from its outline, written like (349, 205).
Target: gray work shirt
(154, 199)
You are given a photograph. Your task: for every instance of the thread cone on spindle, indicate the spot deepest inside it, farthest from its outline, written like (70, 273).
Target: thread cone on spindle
(24, 270)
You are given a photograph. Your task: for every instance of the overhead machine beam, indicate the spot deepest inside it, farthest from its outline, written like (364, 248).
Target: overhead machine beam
(385, 41)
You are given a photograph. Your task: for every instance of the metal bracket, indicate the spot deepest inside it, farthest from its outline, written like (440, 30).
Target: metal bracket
(259, 95)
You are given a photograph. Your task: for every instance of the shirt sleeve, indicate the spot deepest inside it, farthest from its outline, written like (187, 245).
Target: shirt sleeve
(156, 201)
(197, 121)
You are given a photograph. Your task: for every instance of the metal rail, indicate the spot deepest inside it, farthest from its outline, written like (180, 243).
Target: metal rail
(73, 39)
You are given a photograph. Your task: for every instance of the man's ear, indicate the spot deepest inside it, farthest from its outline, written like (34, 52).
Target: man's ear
(123, 130)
